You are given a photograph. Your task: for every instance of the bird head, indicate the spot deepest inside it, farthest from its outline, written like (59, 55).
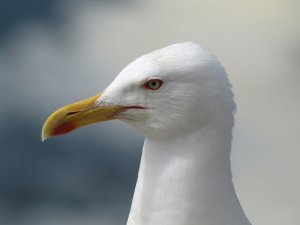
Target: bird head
(169, 91)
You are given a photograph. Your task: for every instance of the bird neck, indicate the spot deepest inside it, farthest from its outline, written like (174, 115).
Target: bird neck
(187, 181)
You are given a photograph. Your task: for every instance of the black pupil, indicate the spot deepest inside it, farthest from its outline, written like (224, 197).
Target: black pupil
(154, 83)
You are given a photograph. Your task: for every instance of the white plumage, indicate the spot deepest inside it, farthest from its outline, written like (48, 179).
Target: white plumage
(185, 175)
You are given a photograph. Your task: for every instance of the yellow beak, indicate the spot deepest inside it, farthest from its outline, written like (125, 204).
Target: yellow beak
(73, 116)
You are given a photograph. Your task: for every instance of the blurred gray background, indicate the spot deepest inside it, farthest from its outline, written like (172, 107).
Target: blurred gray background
(54, 52)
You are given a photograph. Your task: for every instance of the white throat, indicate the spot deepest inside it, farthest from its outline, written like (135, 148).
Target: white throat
(187, 181)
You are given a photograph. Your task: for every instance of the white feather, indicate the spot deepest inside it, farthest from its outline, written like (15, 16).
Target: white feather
(184, 176)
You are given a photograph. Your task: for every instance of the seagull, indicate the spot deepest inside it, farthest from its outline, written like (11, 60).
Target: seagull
(179, 97)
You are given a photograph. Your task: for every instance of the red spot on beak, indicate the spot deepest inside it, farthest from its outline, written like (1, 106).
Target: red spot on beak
(63, 129)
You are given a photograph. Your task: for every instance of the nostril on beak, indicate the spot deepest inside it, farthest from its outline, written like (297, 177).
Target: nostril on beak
(72, 113)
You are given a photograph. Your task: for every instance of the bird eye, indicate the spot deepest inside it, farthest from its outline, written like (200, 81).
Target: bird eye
(153, 84)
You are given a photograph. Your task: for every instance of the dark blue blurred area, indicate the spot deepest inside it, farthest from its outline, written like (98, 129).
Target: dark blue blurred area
(14, 12)
(75, 173)
(57, 170)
